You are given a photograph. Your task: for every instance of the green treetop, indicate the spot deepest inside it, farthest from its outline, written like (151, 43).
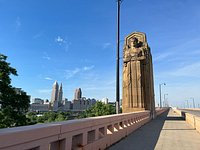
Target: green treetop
(13, 106)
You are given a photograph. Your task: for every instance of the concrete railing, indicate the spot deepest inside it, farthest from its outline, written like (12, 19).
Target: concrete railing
(191, 119)
(160, 111)
(94, 133)
(178, 112)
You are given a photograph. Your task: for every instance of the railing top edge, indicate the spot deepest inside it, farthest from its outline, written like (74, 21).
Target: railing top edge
(26, 128)
(69, 122)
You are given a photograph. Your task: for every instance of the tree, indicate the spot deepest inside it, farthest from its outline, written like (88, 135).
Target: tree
(13, 105)
(51, 117)
(99, 109)
(32, 118)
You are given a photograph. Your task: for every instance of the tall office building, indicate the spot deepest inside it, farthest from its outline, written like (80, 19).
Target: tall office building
(54, 95)
(78, 94)
(60, 94)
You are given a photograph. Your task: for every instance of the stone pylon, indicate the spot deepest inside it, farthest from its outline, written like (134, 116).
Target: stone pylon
(138, 89)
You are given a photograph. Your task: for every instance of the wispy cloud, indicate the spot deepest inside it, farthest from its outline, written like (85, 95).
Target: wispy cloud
(190, 70)
(106, 45)
(18, 23)
(48, 78)
(46, 56)
(62, 41)
(162, 56)
(86, 68)
(73, 72)
(38, 35)
(67, 45)
(111, 82)
(180, 52)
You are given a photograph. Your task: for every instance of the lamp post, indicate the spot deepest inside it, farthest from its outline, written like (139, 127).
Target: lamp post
(193, 101)
(165, 99)
(117, 58)
(187, 103)
(161, 94)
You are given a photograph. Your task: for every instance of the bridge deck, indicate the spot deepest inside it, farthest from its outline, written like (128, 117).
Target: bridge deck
(167, 132)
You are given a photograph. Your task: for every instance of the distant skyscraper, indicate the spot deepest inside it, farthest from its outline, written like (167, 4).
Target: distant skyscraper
(54, 95)
(105, 100)
(60, 94)
(78, 94)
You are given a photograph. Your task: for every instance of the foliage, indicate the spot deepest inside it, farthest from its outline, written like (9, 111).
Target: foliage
(47, 117)
(99, 109)
(13, 106)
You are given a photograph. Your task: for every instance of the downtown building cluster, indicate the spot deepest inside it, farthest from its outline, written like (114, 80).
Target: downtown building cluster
(58, 103)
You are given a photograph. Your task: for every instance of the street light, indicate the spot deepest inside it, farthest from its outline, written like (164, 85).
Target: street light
(117, 57)
(165, 99)
(160, 93)
(193, 101)
(187, 103)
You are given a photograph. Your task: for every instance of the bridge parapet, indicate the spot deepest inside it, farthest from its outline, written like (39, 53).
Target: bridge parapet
(190, 118)
(89, 133)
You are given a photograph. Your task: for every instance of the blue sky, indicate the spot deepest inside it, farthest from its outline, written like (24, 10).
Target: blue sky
(73, 42)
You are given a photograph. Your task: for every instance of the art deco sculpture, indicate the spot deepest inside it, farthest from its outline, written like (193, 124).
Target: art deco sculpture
(138, 89)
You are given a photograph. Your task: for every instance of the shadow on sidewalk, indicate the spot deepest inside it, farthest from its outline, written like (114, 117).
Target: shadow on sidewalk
(175, 118)
(145, 138)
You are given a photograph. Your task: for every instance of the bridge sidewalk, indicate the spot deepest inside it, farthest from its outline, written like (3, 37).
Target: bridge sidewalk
(166, 132)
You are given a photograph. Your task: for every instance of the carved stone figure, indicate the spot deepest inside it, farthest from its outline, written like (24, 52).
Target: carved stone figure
(138, 91)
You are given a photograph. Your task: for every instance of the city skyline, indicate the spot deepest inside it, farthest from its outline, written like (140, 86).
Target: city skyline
(54, 41)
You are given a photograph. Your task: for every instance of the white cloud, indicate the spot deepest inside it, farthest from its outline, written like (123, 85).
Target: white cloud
(106, 45)
(18, 23)
(46, 56)
(67, 44)
(191, 70)
(185, 51)
(162, 56)
(48, 78)
(60, 40)
(111, 82)
(38, 35)
(86, 68)
(71, 73)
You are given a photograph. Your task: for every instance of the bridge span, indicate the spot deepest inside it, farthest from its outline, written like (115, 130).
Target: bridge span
(168, 131)
(127, 131)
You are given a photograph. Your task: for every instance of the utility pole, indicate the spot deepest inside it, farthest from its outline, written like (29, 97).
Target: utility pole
(117, 60)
